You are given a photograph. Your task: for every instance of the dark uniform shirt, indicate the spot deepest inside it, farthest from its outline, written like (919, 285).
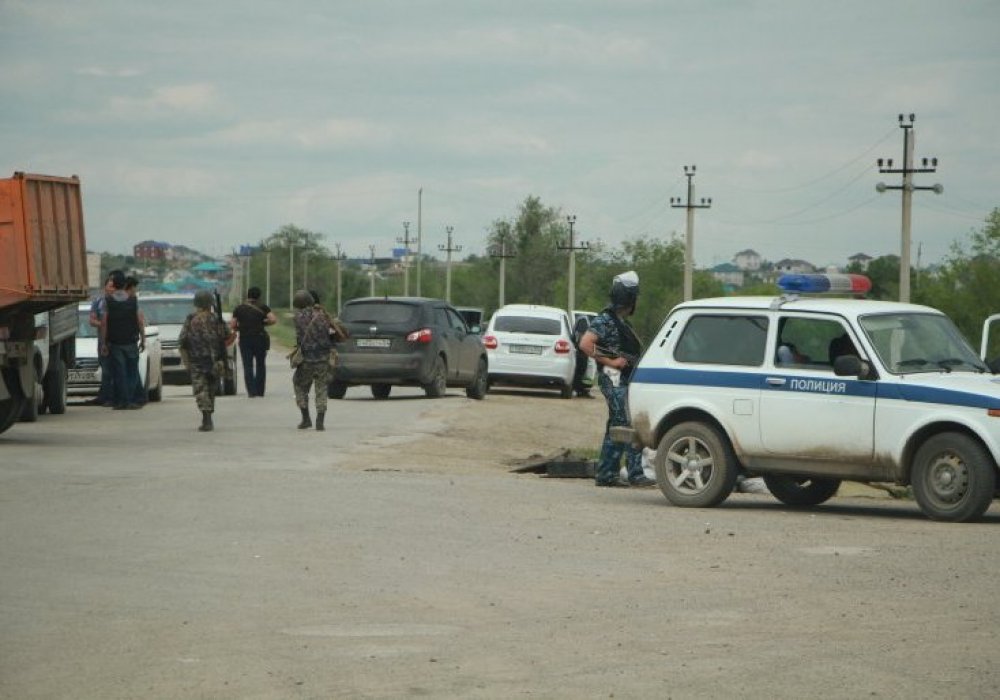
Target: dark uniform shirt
(122, 319)
(616, 338)
(250, 318)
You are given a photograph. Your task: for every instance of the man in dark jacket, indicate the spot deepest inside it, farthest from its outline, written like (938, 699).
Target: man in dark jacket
(251, 319)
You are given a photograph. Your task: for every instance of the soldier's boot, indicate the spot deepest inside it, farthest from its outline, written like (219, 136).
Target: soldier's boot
(320, 415)
(206, 422)
(306, 420)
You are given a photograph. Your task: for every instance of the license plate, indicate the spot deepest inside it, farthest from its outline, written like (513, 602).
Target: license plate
(373, 342)
(526, 349)
(82, 375)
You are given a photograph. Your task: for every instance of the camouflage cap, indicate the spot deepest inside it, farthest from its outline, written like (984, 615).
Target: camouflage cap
(203, 299)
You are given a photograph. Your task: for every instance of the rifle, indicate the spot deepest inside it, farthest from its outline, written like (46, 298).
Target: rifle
(631, 359)
(223, 352)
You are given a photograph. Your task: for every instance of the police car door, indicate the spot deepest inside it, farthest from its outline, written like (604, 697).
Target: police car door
(806, 411)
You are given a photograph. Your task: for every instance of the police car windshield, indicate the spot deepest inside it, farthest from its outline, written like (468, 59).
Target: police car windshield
(912, 342)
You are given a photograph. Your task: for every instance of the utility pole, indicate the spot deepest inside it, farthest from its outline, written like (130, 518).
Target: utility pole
(929, 166)
(420, 234)
(371, 270)
(447, 270)
(267, 278)
(305, 269)
(502, 253)
(572, 248)
(405, 240)
(291, 271)
(689, 235)
(340, 283)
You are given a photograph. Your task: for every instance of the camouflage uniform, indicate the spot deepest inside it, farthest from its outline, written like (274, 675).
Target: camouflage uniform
(201, 340)
(608, 465)
(312, 331)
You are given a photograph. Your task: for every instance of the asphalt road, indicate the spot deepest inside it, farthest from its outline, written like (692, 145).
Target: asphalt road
(142, 559)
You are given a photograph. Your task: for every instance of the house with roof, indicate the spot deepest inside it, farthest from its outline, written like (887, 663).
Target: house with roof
(729, 275)
(748, 260)
(861, 260)
(793, 266)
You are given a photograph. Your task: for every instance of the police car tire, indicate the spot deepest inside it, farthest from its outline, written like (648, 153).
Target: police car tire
(953, 478)
(336, 390)
(711, 446)
(801, 490)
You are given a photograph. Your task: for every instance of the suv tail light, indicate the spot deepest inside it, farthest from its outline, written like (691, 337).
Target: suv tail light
(424, 335)
(563, 346)
(490, 341)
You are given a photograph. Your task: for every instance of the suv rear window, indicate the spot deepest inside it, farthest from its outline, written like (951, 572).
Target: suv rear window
(379, 312)
(723, 340)
(166, 312)
(528, 324)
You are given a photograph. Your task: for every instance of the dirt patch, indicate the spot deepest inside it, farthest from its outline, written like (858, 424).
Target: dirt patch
(500, 431)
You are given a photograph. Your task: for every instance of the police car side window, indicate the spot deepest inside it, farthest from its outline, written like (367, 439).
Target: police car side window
(723, 340)
(811, 343)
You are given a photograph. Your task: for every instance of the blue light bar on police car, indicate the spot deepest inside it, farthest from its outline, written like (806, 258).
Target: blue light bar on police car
(825, 284)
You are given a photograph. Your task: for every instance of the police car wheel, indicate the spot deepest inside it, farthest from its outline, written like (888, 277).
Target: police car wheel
(953, 478)
(695, 466)
(801, 490)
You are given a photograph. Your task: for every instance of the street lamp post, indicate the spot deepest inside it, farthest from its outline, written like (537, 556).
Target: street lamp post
(572, 248)
(447, 270)
(909, 136)
(689, 231)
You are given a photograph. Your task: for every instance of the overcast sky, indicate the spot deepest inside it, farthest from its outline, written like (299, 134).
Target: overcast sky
(214, 123)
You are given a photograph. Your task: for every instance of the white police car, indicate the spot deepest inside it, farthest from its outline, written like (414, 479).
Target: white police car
(809, 391)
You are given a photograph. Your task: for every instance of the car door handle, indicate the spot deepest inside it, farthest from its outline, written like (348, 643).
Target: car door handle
(776, 381)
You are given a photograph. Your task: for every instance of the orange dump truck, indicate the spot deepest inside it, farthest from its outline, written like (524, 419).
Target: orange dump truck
(43, 274)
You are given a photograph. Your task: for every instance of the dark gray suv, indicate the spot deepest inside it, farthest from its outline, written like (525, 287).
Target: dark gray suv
(408, 341)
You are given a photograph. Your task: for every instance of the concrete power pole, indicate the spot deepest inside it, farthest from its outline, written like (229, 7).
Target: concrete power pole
(340, 280)
(405, 240)
(689, 231)
(572, 248)
(929, 166)
(447, 270)
(420, 235)
(502, 253)
(371, 271)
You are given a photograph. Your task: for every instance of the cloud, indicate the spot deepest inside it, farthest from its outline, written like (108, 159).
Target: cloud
(101, 72)
(189, 99)
(309, 134)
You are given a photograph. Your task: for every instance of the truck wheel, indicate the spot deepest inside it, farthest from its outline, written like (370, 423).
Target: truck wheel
(478, 388)
(801, 490)
(381, 391)
(55, 387)
(953, 478)
(10, 408)
(695, 467)
(438, 384)
(30, 410)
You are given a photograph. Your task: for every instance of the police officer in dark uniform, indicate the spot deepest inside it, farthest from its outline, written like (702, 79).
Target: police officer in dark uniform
(615, 348)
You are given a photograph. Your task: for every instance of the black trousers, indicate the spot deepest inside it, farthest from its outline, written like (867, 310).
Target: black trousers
(253, 352)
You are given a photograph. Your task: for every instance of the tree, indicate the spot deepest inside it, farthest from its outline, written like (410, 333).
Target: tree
(967, 288)
(534, 234)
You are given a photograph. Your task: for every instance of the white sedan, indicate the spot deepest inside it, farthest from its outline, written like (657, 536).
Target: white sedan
(85, 374)
(531, 346)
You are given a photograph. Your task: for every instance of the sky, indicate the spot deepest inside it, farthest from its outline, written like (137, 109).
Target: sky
(213, 124)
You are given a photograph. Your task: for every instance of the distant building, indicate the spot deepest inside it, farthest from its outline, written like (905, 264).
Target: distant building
(728, 274)
(795, 267)
(748, 260)
(861, 260)
(150, 251)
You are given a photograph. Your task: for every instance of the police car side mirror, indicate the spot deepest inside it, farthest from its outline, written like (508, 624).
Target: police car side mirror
(850, 366)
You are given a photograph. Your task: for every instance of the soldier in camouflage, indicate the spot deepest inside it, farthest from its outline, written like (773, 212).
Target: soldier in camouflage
(313, 334)
(202, 344)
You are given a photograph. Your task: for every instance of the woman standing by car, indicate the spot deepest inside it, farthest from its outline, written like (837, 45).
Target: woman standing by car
(312, 364)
